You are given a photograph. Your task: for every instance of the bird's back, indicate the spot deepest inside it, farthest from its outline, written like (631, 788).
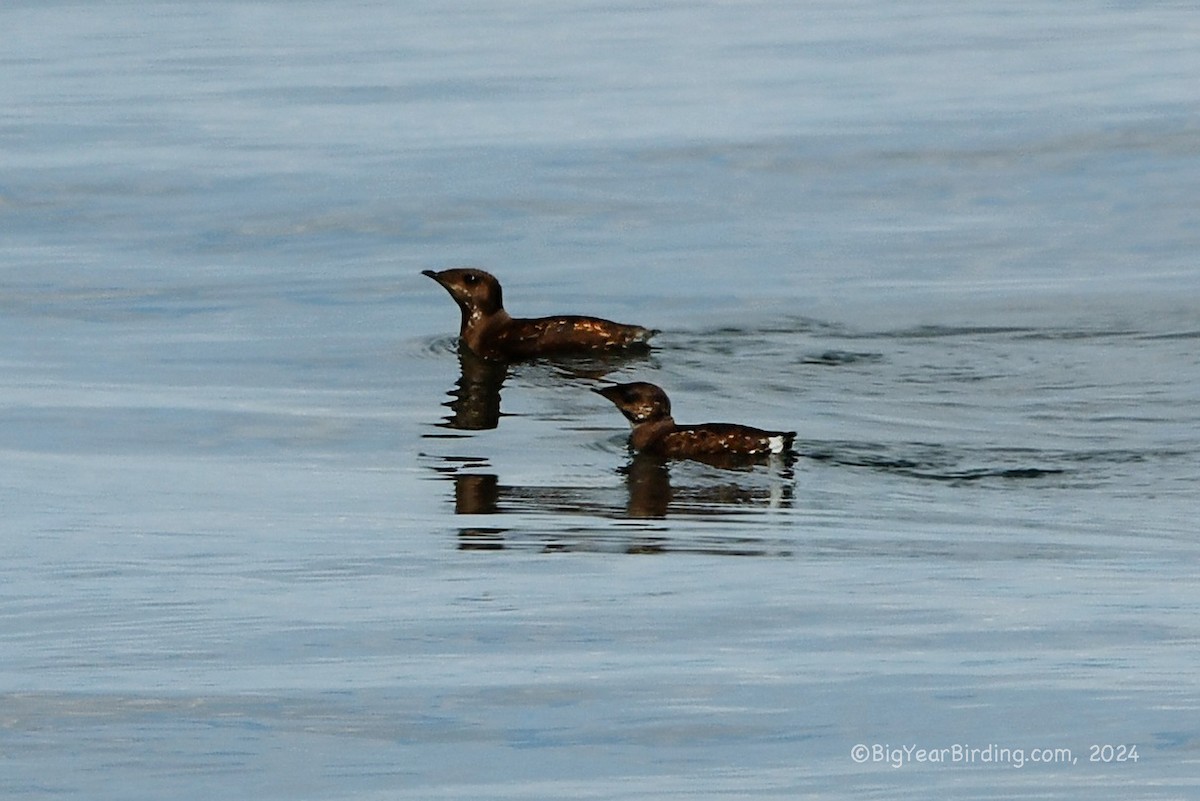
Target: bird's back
(720, 439)
(528, 337)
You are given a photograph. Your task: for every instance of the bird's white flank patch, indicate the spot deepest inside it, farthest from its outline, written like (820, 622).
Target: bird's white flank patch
(775, 444)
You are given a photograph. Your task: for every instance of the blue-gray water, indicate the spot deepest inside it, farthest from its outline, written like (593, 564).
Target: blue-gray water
(249, 550)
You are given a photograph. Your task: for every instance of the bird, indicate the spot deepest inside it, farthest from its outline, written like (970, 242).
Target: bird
(492, 333)
(655, 432)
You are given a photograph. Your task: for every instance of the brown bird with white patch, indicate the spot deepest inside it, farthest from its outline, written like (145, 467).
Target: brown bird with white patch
(655, 432)
(491, 332)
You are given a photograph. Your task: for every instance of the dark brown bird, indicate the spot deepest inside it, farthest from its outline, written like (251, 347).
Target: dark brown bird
(489, 331)
(655, 432)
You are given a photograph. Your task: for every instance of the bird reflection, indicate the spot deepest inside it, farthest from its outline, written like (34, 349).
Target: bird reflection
(651, 495)
(475, 400)
(648, 483)
(647, 495)
(476, 494)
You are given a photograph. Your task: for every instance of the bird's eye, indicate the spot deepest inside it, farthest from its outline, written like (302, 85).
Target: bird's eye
(471, 278)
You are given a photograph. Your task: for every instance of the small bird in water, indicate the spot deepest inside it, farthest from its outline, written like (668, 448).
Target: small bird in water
(655, 432)
(489, 331)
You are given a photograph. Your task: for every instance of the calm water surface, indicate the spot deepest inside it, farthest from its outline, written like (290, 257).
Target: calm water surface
(266, 533)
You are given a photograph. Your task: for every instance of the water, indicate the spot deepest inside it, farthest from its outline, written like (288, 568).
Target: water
(265, 535)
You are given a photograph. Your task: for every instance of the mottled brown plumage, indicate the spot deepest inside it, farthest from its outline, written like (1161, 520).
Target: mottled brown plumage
(648, 409)
(489, 331)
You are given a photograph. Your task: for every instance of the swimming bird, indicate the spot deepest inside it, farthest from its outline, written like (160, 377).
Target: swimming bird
(648, 409)
(489, 331)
